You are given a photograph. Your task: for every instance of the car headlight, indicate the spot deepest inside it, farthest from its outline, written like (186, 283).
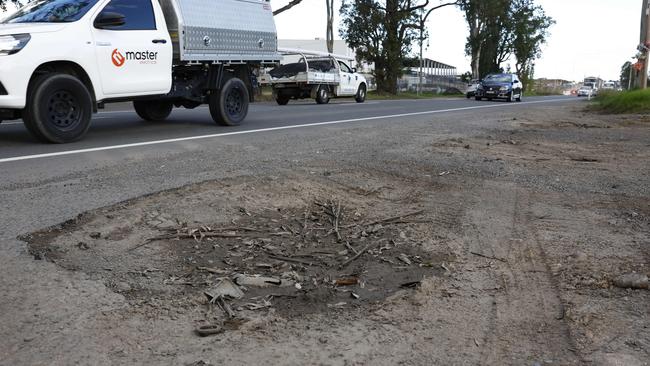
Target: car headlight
(504, 88)
(11, 44)
(479, 86)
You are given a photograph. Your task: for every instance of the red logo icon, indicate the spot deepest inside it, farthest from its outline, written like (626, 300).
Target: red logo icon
(117, 58)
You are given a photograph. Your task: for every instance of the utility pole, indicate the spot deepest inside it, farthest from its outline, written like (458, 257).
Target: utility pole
(419, 90)
(645, 43)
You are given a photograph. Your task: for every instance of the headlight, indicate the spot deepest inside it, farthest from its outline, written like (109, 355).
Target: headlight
(479, 86)
(504, 88)
(13, 43)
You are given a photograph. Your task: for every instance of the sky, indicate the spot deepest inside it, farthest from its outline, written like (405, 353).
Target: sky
(590, 37)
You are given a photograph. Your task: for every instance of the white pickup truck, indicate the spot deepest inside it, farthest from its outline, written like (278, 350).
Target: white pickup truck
(61, 60)
(317, 77)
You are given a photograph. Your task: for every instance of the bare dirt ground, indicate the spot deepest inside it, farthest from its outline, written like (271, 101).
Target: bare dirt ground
(493, 249)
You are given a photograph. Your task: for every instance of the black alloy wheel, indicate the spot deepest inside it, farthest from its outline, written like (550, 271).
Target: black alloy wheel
(229, 106)
(58, 108)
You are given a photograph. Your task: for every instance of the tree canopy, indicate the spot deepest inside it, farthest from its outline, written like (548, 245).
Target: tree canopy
(500, 29)
(382, 32)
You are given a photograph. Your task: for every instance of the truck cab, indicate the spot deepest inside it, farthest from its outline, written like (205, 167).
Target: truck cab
(60, 60)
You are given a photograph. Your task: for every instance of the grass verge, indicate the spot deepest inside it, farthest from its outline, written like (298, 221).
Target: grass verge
(635, 101)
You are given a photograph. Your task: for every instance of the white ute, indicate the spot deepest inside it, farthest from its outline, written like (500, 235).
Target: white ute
(320, 77)
(61, 60)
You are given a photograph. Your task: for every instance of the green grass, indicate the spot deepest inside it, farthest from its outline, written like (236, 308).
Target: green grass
(635, 101)
(542, 92)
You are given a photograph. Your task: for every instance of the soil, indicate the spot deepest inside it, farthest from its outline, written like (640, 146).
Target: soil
(500, 247)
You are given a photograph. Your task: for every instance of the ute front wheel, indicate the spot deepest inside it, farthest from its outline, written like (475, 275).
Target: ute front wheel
(360, 97)
(58, 109)
(229, 106)
(153, 110)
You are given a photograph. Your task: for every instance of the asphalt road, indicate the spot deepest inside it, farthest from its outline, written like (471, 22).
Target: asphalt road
(121, 126)
(53, 316)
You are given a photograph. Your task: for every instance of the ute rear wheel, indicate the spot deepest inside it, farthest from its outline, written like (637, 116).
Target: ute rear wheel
(58, 108)
(153, 110)
(282, 100)
(229, 106)
(360, 97)
(322, 95)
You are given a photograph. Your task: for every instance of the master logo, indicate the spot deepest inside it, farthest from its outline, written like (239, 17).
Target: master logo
(117, 58)
(142, 57)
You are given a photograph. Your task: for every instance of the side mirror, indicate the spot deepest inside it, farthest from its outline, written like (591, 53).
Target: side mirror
(109, 19)
(480, 80)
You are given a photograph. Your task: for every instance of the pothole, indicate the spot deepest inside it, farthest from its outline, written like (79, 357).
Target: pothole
(296, 246)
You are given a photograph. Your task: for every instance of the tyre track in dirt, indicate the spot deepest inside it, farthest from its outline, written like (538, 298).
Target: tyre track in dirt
(526, 323)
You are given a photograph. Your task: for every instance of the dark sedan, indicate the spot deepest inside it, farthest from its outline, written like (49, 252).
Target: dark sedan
(502, 86)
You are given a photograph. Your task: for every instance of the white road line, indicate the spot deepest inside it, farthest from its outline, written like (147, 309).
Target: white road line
(280, 128)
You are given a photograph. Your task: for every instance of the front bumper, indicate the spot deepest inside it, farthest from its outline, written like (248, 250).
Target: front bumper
(492, 93)
(14, 77)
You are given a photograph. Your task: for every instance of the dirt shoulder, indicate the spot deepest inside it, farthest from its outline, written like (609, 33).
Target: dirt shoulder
(500, 246)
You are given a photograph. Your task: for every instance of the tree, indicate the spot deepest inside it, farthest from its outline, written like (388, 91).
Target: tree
(531, 31)
(626, 72)
(329, 32)
(500, 29)
(3, 4)
(382, 32)
(290, 5)
(476, 20)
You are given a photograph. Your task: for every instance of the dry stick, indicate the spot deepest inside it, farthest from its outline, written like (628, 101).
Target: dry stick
(225, 307)
(287, 259)
(389, 219)
(214, 235)
(489, 257)
(347, 245)
(336, 222)
(395, 218)
(139, 245)
(358, 255)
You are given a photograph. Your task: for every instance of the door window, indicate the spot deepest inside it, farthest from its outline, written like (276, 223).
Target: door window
(138, 14)
(344, 67)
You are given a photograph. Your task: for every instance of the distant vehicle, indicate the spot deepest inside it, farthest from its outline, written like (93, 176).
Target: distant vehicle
(609, 85)
(586, 91)
(317, 77)
(471, 88)
(595, 82)
(503, 86)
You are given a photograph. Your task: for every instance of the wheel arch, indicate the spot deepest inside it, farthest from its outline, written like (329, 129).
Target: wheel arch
(66, 67)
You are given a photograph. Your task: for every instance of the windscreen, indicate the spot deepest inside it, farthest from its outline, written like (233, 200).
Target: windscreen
(499, 78)
(51, 11)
